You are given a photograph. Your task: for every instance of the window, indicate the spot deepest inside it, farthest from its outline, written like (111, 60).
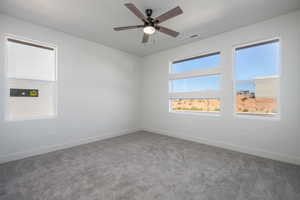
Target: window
(204, 83)
(196, 105)
(31, 79)
(257, 78)
(194, 84)
(200, 62)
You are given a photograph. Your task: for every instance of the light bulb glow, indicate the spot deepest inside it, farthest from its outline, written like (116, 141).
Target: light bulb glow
(149, 30)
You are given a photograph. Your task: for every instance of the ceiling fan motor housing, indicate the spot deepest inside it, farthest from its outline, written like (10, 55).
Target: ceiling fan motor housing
(149, 12)
(150, 21)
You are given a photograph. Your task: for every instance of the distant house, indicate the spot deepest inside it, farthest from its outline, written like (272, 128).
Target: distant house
(266, 86)
(244, 92)
(247, 93)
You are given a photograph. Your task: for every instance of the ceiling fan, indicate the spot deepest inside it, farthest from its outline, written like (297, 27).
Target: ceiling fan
(151, 24)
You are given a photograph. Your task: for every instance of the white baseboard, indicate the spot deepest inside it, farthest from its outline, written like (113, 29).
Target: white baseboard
(247, 150)
(255, 152)
(47, 149)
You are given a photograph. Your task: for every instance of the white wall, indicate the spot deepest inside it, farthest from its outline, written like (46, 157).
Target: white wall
(277, 139)
(98, 94)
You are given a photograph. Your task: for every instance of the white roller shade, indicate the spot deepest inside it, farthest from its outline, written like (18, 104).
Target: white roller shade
(28, 61)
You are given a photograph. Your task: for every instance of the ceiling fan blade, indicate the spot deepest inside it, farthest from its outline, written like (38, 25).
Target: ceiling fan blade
(136, 11)
(128, 27)
(167, 31)
(145, 38)
(170, 14)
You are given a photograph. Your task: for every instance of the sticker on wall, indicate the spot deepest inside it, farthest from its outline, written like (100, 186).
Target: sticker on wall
(14, 92)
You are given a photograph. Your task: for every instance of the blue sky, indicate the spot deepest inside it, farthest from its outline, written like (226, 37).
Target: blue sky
(196, 84)
(200, 63)
(250, 63)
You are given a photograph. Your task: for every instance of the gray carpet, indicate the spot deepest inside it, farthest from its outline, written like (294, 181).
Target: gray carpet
(148, 166)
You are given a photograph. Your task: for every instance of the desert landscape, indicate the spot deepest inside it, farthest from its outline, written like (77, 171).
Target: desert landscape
(200, 105)
(245, 104)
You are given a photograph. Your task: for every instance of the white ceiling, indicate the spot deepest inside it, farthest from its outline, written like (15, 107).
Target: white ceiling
(94, 19)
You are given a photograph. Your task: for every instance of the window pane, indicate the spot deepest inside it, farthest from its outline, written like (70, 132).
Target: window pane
(257, 61)
(206, 83)
(195, 105)
(257, 78)
(257, 97)
(196, 63)
(30, 107)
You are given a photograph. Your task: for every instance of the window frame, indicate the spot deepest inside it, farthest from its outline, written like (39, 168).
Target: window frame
(235, 81)
(205, 72)
(6, 78)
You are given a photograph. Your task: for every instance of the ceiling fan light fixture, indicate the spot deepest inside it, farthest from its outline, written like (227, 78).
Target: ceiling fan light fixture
(149, 30)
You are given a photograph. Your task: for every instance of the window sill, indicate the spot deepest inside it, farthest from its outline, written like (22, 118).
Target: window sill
(210, 114)
(31, 118)
(31, 79)
(274, 117)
